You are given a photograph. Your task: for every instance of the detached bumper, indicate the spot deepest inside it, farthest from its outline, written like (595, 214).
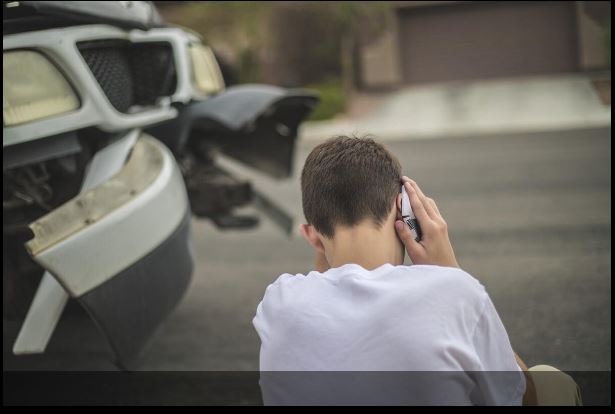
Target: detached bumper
(122, 249)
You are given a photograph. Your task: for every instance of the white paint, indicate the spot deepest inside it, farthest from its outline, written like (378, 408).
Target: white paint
(109, 160)
(42, 317)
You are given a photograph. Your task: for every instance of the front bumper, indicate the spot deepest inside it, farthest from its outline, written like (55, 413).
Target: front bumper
(122, 248)
(129, 307)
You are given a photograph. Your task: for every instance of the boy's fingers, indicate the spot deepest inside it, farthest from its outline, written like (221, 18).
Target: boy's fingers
(404, 234)
(417, 205)
(420, 193)
(434, 206)
(427, 202)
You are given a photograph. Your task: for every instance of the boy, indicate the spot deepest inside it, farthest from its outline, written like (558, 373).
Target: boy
(362, 311)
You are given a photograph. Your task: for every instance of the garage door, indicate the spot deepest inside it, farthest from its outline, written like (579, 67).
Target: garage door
(472, 40)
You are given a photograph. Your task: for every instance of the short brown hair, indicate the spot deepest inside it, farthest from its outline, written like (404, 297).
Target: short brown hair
(346, 180)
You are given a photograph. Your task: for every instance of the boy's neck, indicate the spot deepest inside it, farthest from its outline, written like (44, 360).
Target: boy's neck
(365, 245)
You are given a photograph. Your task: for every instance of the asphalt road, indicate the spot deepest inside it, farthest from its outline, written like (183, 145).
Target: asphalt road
(529, 215)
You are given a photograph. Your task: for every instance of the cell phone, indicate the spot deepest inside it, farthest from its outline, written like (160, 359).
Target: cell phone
(408, 216)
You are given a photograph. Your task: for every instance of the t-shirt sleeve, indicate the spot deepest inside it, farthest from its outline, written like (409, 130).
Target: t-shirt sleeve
(500, 380)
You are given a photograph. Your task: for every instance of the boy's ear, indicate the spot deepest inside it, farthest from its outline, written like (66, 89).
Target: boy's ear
(398, 205)
(310, 234)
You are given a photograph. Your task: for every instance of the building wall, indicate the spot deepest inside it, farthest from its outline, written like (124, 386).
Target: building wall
(381, 60)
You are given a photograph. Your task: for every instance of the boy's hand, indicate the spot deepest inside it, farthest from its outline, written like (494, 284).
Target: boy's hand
(435, 247)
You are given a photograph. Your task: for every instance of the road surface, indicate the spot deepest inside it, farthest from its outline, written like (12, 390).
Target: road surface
(529, 215)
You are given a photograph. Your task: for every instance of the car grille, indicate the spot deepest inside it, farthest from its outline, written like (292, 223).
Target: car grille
(131, 73)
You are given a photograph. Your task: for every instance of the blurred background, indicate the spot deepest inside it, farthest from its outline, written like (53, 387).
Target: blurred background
(500, 110)
(357, 53)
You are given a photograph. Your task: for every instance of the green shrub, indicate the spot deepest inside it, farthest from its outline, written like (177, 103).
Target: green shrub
(332, 99)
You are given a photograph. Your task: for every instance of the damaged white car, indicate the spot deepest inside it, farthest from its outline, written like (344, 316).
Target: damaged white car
(111, 126)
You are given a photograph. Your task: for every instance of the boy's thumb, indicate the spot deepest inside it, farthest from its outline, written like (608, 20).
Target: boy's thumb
(404, 234)
(402, 231)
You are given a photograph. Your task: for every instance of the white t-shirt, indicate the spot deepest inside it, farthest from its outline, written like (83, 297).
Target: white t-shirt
(394, 335)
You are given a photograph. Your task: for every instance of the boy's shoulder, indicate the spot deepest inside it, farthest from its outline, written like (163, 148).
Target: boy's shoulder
(452, 276)
(442, 291)
(449, 279)
(441, 284)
